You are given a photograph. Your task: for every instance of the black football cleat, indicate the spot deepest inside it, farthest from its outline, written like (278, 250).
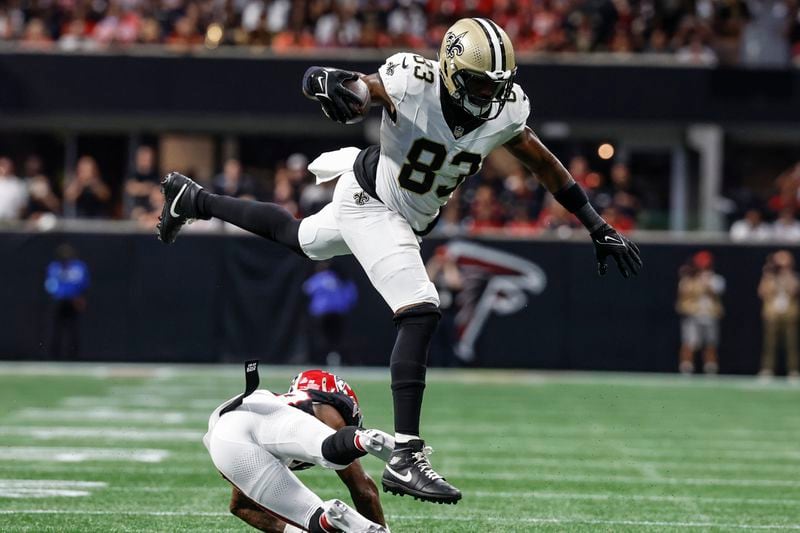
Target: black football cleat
(180, 197)
(410, 472)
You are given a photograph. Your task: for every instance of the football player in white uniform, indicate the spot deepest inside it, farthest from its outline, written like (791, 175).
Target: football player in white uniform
(257, 439)
(440, 120)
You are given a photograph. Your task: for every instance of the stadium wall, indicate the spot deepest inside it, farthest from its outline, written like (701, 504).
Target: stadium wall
(213, 298)
(121, 91)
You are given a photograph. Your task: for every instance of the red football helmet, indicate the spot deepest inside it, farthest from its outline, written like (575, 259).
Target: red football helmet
(322, 381)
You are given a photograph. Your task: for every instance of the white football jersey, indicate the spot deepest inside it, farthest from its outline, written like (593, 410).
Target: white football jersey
(421, 160)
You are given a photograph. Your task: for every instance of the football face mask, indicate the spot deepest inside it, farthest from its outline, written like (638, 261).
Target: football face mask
(477, 66)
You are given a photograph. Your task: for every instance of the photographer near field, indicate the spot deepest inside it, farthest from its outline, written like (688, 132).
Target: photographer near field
(778, 290)
(700, 307)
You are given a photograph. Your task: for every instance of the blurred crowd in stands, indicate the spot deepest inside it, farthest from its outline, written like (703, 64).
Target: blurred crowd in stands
(503, 198)
(775, 219)
(695, 31)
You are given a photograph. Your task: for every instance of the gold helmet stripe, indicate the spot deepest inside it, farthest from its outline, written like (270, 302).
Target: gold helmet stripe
(496, 45)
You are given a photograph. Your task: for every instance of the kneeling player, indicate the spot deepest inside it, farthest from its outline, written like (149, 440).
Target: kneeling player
(256, 439)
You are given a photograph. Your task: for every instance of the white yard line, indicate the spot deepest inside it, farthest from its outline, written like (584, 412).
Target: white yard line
(629, 479)
(619, 462)
(589, 521)
(101, 433)
(511, 495)
(605, 479)
(203, 375)
(601, 450)
(47, 488)
(78, 455)
(511, 521)
(155, 416)
(535, 430)
(591, 428)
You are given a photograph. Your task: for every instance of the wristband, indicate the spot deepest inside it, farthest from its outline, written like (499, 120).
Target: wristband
(574, 200)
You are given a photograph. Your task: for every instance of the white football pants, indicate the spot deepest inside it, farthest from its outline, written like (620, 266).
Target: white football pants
(379, 238)
(253, 445)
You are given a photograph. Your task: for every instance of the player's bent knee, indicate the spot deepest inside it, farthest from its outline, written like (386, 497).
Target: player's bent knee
(425, 313)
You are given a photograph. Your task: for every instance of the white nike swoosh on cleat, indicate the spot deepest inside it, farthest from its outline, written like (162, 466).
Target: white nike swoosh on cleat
(405, 479)
(175, 201)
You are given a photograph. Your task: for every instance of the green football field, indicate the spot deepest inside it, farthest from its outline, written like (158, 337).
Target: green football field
(117, 448)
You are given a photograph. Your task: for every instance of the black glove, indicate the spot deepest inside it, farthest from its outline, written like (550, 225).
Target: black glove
(326, 86)
(607, 241)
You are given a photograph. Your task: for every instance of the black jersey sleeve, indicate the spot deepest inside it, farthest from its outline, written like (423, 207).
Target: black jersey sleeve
(341, 402)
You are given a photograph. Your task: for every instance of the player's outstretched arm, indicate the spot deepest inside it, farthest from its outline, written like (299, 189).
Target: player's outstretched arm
(363, 491)
(607, 241)
(249, 511)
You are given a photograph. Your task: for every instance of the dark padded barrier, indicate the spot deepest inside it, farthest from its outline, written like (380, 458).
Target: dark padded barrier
(95, 86)
(227, 298)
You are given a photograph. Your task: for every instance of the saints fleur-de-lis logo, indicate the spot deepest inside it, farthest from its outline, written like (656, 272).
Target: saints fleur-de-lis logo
(360, 198)
(453, 44)
(390, 66)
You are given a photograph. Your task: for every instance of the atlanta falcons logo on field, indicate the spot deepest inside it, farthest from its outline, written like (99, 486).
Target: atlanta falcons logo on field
(494, 282)
(453, 44)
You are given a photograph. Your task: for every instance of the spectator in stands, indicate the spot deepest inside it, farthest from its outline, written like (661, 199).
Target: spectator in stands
(787, 186)
(786, 227)
(233, 182)
(450, 223)
(658, 42)
(86, 195)
(36, 36)
(147, 215)
(42, 201)
(700, 307)
(554, 217)
(141, 182)
(778, 290)
(579, 168)
(75, 35)
(66, 282)
(13, 194)
(331, 298)
(625, 196)
(696, 52)
(765, 40)
(486, 211)
(618, 219)
(751, 228)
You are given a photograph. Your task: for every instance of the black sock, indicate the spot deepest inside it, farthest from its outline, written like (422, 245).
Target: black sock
(270, 221)
(340, 448)
(415, 329)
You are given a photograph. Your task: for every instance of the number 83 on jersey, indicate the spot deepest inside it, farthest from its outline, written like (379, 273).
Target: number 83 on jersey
(424, 162)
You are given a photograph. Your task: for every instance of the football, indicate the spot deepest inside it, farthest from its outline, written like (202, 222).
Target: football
(359, 87)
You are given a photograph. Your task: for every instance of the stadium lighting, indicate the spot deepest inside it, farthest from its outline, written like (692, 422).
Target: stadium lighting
(605, 151)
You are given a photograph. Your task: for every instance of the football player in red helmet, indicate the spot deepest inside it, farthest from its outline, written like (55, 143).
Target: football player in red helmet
(258, 438)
